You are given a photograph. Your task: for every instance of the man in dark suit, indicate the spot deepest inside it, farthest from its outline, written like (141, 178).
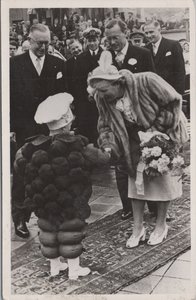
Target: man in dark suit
(75, 48)
(135, 59)
(168, 56)
(86, 111)
(34, 76)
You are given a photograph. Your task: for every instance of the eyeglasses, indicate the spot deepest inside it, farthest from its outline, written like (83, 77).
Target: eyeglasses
(40, 43)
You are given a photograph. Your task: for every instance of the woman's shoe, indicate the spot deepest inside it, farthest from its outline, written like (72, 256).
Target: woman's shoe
(134, 241)
(157, 239)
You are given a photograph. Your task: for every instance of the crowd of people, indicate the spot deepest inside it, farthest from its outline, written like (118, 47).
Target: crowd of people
(61, 34)
(117, 90)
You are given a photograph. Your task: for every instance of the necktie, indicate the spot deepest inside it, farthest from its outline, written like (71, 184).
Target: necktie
(154, 48)
(93, 55)
(38, 65)
(119, 59)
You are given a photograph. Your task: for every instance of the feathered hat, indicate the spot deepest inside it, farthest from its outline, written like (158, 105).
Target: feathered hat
(105, 70)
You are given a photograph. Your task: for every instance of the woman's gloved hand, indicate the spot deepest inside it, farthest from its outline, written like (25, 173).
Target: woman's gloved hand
(145, 137)
(96, 156)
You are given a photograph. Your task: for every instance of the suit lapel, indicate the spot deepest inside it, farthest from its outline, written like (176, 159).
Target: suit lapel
(161, 50)
(29, 67)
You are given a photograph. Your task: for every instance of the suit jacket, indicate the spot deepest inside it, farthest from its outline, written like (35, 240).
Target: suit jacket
(71, 64)
(86, 111)
(136, 60)
(169, 63)
(85, 64)
(28, 90)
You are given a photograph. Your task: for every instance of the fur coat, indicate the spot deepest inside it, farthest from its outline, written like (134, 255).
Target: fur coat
(157, 106)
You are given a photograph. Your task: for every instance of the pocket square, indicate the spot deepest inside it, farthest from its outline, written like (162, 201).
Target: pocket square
(59, 75)
(168, 53)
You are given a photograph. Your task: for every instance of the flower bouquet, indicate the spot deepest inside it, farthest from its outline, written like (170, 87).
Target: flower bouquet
(160, 155)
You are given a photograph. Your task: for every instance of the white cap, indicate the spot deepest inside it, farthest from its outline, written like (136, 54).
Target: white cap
(55, 111)
(91, 32)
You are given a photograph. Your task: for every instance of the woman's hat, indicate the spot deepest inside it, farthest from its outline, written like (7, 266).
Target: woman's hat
(55, 111)
(105, 70)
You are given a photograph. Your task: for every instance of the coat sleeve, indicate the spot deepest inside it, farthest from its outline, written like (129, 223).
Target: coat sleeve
(179, 69)
(106, 138)
(170, 116)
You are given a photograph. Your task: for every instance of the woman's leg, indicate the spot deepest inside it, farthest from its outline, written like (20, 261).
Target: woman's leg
(162, 207)
(138, 215)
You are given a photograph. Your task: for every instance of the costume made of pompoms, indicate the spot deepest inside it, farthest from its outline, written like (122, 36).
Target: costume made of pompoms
(56, 172)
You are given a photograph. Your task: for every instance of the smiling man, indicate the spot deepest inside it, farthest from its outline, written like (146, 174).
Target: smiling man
(34, 76)
(125, 55)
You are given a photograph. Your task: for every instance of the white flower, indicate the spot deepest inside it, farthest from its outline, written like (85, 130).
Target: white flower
(132, 61)
(156, 151)
(178, 161)
(165, 158)
(163, 164)
(163, 169)
(153, 164)
(146, 152)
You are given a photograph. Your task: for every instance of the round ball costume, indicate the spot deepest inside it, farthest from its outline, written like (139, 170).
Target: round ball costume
(56, 171)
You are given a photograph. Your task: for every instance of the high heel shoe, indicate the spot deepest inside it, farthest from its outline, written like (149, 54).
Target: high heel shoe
(157, 239)
(133, 241)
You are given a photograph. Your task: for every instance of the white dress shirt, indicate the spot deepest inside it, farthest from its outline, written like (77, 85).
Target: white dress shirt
(34, 59)
(155, 46)
(96, 51)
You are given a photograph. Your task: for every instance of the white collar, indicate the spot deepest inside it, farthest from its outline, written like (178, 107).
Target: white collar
(158, 43)
(124, 50)
(34, 58)
(96, 51)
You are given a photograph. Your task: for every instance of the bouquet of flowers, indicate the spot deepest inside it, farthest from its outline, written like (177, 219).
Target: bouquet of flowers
(160, 155)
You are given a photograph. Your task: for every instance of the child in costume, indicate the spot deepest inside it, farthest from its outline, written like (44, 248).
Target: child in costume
(56, 174)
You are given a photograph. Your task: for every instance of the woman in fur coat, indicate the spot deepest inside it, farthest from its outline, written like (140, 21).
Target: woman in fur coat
(130, 103)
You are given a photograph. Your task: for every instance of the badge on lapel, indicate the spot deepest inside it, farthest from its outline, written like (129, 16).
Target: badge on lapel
(132, 61)
(168, 53)
(59, 75)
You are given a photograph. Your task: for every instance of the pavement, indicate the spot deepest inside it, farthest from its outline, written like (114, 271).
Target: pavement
(172, 278)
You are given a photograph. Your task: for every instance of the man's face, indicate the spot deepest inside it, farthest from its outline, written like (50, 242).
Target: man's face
(137, 41)
(12, 50)
(93, 43)
(153, 33)
(116, 38)
(39, 42)
(75, 49)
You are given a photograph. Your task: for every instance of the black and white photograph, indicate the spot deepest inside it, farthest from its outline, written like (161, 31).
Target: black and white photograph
(97, 127)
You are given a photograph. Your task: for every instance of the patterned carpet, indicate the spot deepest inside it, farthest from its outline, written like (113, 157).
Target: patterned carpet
(113, 266)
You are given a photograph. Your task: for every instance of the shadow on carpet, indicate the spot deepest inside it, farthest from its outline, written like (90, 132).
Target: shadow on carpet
(113, 266)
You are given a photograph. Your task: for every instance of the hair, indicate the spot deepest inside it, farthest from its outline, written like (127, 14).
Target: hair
(73, 41)
(120, 23)
(152, 22)
(39, 27)
(99, 82)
